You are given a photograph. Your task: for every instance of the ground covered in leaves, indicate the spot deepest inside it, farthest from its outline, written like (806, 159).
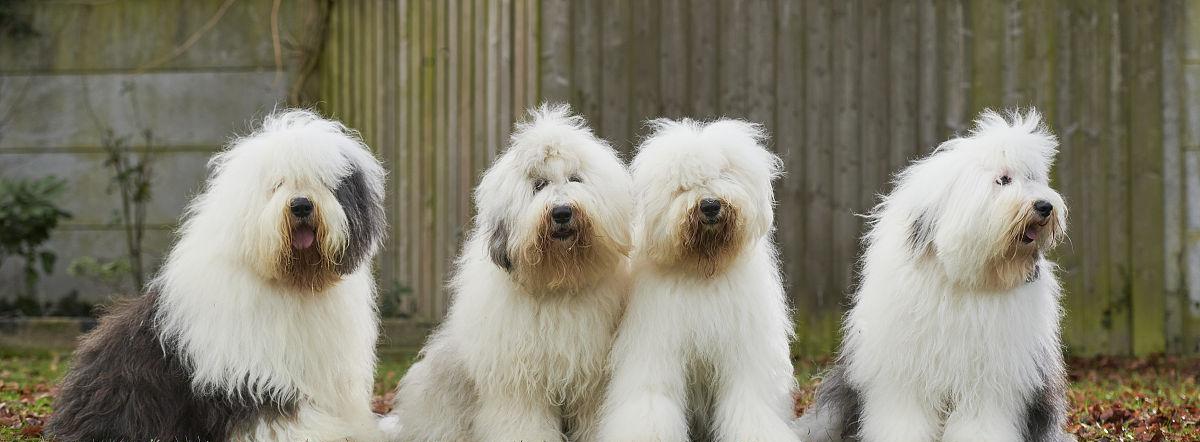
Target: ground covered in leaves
(1112, 399)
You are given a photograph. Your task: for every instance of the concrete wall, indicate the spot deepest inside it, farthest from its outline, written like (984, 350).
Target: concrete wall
(193, 73)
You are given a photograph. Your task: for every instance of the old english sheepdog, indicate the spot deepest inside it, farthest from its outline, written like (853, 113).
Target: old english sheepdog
(702, 350)
(261, 324)
(538, 292)
(953, 335)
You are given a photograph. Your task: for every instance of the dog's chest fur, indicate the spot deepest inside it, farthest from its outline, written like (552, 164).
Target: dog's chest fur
(564, 340)
(949, 341)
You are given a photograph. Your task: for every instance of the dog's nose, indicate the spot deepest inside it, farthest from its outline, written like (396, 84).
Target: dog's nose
(710, 207)
(561, 214)
(1043, 208)
(301, 207)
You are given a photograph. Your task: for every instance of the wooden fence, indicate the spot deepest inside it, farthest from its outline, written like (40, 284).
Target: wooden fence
(850, 90)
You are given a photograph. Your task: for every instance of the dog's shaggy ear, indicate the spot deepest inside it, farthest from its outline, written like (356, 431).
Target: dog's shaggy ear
(498, 246)
(363, 205)
(920, 235)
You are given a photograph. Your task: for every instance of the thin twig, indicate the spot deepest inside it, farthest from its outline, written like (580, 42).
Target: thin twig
(312, 54)
(275, 43)
(191, 40)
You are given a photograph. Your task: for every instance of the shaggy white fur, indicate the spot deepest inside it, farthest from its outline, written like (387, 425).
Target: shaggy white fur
(702, 351)
(953, 335)
(537, 295)
(246, 317)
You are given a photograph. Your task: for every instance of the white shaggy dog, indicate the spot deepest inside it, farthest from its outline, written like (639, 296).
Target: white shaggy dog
(538, 293)
(702, 351)
(261, 325)
(953, 335)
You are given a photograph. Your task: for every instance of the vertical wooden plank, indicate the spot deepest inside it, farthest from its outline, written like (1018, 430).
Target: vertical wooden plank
(644, 66)
(847, 159)
(760, 66)
(401, 174)
(930, 78)
(956, 67)
(732, 59)
(614, 79)
(822, 312)
(1013, 28)
(702, 58)
(1143, 35)
(904, 88)
(425, 190)
(874, 77)
(493, 79)
(985, 40)
(466, 119)
(481, 91)
(519, 56)
(505, 114)
(555, 43)
(673, 58)
(1192, 175)
(585, 23)
(1039, 31)
(1066, 175)
(1117, 313)
(1176, 305)
(789, 143)
(532, 62)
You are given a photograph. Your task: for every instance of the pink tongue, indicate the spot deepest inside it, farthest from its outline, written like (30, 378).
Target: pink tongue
(1031, 233)
(303, 237)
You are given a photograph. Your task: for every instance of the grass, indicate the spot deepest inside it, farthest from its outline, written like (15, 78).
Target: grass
(1112, 399)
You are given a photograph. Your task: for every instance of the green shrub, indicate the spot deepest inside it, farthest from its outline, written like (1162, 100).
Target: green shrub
(28, 214)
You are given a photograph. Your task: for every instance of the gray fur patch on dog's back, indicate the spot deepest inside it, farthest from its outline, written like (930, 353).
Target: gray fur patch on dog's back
(126, 384)
(834, 416)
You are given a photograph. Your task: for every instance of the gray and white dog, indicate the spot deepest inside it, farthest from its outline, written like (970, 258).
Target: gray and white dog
(261, 325)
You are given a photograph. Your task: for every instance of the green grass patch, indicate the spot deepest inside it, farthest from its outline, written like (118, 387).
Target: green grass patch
(1112, 399)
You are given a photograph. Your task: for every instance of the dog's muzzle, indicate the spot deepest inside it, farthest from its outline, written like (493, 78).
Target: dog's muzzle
(303, 233)
(562, 226)
(1042, 211)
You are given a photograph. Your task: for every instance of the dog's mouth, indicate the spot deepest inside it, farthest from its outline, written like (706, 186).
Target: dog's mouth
(562, 233)
(1032, 232)
(303, 236)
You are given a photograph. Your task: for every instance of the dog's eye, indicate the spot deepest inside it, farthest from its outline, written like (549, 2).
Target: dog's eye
(575, 179)
(1003, 180)
(539, 184)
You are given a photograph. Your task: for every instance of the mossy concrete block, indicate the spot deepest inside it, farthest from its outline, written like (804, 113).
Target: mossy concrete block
(91, 197)
(128, 34)
(180, 109)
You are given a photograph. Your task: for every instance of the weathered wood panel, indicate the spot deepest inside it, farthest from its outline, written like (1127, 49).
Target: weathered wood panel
(851, 92)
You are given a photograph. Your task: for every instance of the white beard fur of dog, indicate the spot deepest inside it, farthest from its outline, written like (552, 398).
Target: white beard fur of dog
(515, 359)
(702, 352)
(946, 340)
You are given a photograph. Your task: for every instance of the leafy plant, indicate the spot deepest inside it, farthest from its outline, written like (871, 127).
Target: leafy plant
(28, 214)
(131, 181)
(110, 273)
(395, 301)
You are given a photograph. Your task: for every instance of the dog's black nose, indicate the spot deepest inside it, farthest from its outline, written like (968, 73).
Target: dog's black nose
(1043, 208)
(561, 214)
(301, 207)
(710, 207)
